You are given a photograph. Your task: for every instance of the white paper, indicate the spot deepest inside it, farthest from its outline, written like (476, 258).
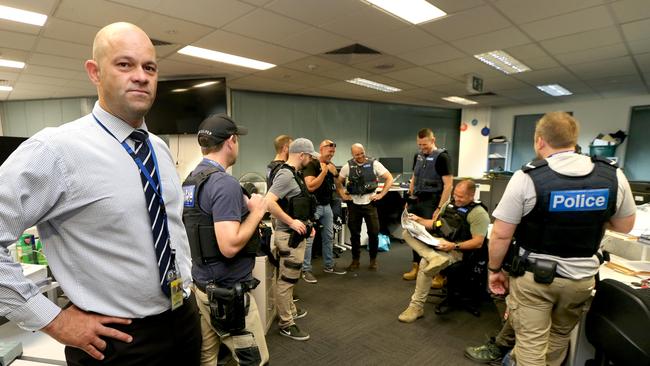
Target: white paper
(418, 230)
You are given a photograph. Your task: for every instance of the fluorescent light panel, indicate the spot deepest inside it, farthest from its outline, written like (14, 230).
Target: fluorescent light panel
(459, 100)
(413, 11)
(503, 62)
(374, 85)
(6, 88)
(14, 64)
(207, 83)
(555, 90)
(22, 16)
(227, 58)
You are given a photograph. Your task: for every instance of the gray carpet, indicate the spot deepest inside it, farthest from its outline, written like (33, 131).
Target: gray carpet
(352, 320)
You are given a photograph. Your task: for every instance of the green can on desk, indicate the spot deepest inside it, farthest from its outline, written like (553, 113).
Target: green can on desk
(30, 250)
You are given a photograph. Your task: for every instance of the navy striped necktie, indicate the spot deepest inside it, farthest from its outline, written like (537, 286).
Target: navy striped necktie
(155, 207)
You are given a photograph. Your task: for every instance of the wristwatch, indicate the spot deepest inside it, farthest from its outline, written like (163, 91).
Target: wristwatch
(457, 246)
(494, 270)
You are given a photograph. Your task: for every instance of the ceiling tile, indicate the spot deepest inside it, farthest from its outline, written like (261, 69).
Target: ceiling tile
(460, 68)
(69, 31)
(12, 54)
(315, 12)
(526, 51)
(582, 41)
(605, 82)
(262, 84)
(312, 63)
(592, 54)
(391, 82)
(419, 76)
(295, 77)
(171, 67)
(434, 54)
(257, 2)
(540, 63)
(382, 64)
(242, 46)
(604, 68)
(640, 46)
(468, 23)
(342, 73)
(495, 84)
(364, 24)
(66, 49)
(547, 76)
(17, 41)
(173, 30)
(562, 25)
(455, 6)
(498, 40)
(57, 62)
(5, 74)
(351, 89)
(62, 73)
(637, 30)
(265, 25)
(314, 41)
(402, 40)
(644, 62)
(39, 6)
(527, 11)
(630, 10)
(97, 12)
(207, 12)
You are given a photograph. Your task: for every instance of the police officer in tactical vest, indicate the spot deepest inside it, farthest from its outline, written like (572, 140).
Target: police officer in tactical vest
(362, 176)
(222, 227)
(557, 208)
(293, 208)
(430, 187)
(461, 229)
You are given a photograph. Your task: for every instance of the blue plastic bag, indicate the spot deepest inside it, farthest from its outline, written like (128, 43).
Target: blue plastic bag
(384, 243)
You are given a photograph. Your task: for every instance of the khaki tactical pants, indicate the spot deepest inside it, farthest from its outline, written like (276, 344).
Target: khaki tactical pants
(291, 260)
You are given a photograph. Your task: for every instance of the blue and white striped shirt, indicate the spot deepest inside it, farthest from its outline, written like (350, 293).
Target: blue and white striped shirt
(83, 191)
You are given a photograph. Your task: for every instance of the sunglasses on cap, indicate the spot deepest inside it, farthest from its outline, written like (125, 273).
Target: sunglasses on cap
(331, 144)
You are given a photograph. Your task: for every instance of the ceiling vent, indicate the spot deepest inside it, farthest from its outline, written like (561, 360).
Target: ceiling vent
(486, 94)
(352, 54)
(157, 42)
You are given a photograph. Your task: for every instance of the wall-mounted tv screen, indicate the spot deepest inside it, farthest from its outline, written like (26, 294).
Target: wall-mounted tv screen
(8, 145)
(181, 105)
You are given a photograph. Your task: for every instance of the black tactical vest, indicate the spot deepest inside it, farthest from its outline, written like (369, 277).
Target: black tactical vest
(362, 178)
(271, 171)
(200, 225)
(454, 226)
(427, 178)
(570, 213)
(302, 206)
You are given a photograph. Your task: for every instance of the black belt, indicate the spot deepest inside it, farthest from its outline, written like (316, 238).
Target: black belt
(530, 267)
(246, 285)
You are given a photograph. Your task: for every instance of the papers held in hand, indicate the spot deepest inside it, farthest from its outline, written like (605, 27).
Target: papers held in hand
(418, 230)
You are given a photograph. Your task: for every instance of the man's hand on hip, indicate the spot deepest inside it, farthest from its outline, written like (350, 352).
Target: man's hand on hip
(77, 328)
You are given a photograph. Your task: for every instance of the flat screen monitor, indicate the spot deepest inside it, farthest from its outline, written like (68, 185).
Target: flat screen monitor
(640, 192)
(394, 165)
(7, 145)
(181, 105)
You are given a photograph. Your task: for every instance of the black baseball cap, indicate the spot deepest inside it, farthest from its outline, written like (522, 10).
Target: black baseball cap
(220, 127)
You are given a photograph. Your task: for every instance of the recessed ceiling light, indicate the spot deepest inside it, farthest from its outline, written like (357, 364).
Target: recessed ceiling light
(14, 64)
(555, 90)
(22, 16)
(413, 11)
(6, 88)
(459, 100)
(179, 90)
(374, 85)
(503, 62)
(227, 58)
(207, 83)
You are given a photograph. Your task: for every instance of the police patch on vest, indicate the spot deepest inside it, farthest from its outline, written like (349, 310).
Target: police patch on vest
(188, 196)
(579, 200)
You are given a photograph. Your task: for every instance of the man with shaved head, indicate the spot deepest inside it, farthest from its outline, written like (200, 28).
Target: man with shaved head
(320, 176)
(107, 202)
(361, 175)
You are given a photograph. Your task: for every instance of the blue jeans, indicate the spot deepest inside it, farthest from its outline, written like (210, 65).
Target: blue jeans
(325, 217)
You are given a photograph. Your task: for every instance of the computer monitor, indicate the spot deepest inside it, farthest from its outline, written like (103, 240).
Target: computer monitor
(394, 165)
(640, 192)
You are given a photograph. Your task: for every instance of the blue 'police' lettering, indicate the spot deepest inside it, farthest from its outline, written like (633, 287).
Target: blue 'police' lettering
(188, 194)
(579, 200)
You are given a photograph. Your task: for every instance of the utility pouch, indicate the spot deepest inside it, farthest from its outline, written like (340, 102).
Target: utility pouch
(227, 308)
(296, 238)
(518, 266)
(300, 207)
(544, 271)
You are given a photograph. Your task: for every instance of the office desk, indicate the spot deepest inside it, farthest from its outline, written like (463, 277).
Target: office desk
(37, 346)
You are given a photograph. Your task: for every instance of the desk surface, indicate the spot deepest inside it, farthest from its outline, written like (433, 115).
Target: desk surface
(36, 345)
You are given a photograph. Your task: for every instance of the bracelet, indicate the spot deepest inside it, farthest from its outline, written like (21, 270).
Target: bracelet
(494, 270)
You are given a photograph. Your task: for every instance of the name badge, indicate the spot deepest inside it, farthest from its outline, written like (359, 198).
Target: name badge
(430, 158)
(188, 196)
(176, 289)
(579, 200)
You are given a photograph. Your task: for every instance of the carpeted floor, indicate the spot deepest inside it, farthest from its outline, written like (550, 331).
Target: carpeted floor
(352, 320)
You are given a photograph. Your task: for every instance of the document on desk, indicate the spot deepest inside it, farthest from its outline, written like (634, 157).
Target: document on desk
(418, 230)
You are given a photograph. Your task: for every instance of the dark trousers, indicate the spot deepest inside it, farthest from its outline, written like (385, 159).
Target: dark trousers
(169, 338)
(424, 206)
(357, 213)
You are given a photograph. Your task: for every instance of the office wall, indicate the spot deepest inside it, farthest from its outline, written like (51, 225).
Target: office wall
(24, 118)
(473, 152)
(595, 116)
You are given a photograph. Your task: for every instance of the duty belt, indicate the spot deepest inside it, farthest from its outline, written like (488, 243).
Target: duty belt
(530, 267)
(246, 285)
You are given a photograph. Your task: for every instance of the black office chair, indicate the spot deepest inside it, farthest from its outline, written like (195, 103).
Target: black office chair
(466, 283)
(618, 325)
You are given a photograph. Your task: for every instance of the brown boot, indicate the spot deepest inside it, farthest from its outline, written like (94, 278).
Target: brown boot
(373, 264)
(438, 281)
(354, 266)
(410, 276)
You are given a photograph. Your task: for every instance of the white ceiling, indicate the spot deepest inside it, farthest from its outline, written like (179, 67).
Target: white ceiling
(595, 48)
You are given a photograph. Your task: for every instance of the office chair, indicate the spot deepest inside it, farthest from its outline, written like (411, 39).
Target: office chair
(466, 283)
(618, 325)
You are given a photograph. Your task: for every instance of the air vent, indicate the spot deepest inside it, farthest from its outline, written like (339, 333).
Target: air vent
(357, 49)
(486, 94)
(157, 42)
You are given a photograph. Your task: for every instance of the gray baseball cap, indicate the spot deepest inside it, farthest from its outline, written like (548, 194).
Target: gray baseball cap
(303, 145)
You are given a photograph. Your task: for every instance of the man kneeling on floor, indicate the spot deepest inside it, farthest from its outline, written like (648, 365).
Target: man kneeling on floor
(463, 227)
